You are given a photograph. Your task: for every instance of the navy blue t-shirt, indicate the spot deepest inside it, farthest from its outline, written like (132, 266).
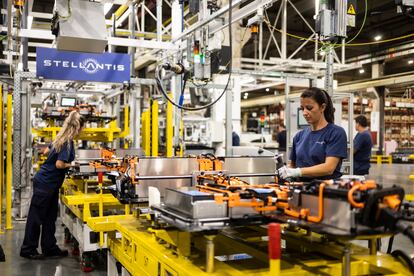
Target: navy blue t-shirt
(49, 177)
(311, 148)
(362, 148)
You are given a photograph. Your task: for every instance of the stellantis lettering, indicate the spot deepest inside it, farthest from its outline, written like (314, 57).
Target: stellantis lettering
(90, 65)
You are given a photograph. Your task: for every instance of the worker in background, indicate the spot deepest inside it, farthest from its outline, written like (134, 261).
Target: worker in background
(46, 184)
(318, 150)
(235, 139)
(281, 137)
(362, 146)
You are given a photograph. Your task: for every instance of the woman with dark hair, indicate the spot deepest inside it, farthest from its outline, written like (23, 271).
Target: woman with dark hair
(317, 150)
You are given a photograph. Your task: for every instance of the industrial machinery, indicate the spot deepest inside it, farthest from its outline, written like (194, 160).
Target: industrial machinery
(216, 199)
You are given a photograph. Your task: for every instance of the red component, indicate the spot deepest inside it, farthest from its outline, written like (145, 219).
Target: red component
(196, 49)
(86, 268)
(100, 177)
(273, 231)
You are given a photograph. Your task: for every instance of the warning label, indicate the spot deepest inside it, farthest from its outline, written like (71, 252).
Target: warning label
(351, 10)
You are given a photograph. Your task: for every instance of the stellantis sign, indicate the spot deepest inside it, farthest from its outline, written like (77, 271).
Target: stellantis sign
(64, 65)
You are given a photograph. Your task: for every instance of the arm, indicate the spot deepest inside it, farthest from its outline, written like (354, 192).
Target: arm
(46, 151)
(62, 165)
(323, 169)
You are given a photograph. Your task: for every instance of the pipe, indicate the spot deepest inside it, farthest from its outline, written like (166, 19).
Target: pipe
(169, 128)
(9, 163)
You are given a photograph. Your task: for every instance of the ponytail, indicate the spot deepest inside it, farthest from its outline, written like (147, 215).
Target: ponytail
(321, 97)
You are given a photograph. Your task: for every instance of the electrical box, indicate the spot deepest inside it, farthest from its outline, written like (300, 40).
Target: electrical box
(79, 26)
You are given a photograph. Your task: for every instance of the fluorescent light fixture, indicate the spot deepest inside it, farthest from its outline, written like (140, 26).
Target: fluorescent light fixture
(361, 71)
(377, 37)
(267, 89)
(410, 61)
(107, 7)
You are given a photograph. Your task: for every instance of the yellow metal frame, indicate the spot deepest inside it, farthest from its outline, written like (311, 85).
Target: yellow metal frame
(146, 132)
(169, 128)
(9, 162)
(154, 128)
(1, 159)
(146, 251)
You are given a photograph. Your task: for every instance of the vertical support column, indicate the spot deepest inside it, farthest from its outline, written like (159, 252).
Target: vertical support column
(329, 72)
(136, 115)
(9, 162)
(154, 126)
(381, 94)
(284, 29)
(159, 20)
(261, 46)
(176, 81)
(169, 128)
(346, 261)
(17, 113)
(288, 119)
(146, 129)
(229, 121)
(131, 26)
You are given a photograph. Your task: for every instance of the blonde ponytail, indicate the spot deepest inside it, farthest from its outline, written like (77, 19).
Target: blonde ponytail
(71, 128)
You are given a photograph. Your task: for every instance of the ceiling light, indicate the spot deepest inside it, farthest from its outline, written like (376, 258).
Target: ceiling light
(267, 89)
(361, 71)
(377, 37)
(410, 61)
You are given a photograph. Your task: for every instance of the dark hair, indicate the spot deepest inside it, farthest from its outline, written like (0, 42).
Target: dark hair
(321, 97)
(362, 120)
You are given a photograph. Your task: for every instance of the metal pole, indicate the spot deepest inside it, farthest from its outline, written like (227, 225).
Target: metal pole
(329, 72)
(228, 125)
(9, 163)
(372, 244)
(343, 51)
(131, 26)
(210, 254)
(159, 20)
(25, 40)
(261, 46)
(284, 30)
(169, 128)
(288, 119)
(346, 261)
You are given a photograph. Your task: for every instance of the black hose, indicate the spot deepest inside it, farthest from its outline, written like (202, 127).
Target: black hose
(390, 243)
(158, 77)
(405, 257)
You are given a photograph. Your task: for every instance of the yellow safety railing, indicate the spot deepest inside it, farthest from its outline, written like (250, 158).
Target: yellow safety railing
(381, 159)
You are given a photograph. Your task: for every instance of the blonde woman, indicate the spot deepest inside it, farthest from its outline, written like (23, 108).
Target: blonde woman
(46, 183)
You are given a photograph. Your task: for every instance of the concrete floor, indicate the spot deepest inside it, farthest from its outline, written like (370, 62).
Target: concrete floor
(15, 265)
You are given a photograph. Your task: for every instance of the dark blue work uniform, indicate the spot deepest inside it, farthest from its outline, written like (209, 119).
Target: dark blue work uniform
(311, 148)
(44, 205)
(362, 152)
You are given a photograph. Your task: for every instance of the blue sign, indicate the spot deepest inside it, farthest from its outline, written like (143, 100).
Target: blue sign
(65, 65)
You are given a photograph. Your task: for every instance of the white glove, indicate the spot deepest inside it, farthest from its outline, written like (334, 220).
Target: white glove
(285, 172)
(73, 164)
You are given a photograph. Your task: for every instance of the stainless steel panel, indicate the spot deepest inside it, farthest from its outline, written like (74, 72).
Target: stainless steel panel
(251, 165)
(83, 154)
(124, 152)
(160, 167)
(240, 212)
(196, 209)
(337, 213)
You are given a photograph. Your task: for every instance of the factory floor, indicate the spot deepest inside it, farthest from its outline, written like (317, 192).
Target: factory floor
(15, 265)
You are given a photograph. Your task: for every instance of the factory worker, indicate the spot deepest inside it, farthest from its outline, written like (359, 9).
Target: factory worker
(46, 183)
(318, 150)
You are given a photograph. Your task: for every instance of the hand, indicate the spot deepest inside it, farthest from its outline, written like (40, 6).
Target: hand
(73, 164)
(285, 172)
